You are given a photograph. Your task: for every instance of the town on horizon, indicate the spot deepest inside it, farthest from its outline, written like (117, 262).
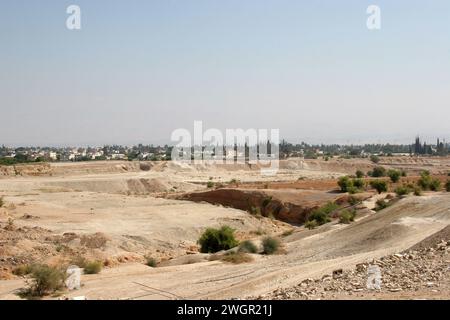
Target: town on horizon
(141, 152)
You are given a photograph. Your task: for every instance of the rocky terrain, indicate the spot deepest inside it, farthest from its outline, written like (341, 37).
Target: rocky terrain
(416, 273)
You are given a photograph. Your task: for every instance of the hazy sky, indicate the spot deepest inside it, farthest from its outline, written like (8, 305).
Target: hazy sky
(137, 70)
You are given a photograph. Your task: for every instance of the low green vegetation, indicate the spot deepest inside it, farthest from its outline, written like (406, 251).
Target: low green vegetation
(427, 182)
(374, 158)
(22, 270)
(435, 185)
(347, 216)
(345, 183)
(2, 203)
(214, 240)
(93, 267)
(402, 190)
(417, 191)
(321, 215)
(381, 204)
(236, 257)
(248, 247)
(352, 186)
(394, 175)
(151, 262)
(379, 185)
(447, 186)
(359, 174)
(378, 172)
(270, 245)
(45, 280)
(210, 184)
(311, 224)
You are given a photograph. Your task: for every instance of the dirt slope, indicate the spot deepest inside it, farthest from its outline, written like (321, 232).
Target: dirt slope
(310, 254)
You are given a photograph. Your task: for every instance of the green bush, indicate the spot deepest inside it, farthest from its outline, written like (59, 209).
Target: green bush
(353, 201)
(311, 224)
(248, 247)
(151, 262)
(358, 183)
(447, 186)
(359, 174)
(266, 201)
(379, 185)
(425, 180)
(270, 245)
(321, 215)
(417, 191)
(1, 202)
(93, 267)
(378, 172)
(210, 184)
(403, 173)
(394, 175)
(381, 204)
(374, 158)
(347, 216)
(345, 183)
(236, 257)
(402, 190)
(22, 270)
(46, 280)
(214, 240)
(435, 185)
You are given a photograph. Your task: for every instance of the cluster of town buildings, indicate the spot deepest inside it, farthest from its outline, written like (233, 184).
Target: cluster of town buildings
(11, 155)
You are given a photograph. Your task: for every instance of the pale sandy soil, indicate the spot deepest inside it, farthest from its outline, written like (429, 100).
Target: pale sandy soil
(123, 204)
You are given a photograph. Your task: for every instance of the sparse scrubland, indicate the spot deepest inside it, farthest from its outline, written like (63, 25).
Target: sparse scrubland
(123, 222)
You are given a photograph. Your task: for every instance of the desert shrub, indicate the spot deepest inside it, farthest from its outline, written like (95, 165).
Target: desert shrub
(370, 173)
(311, 224)
(46, 280)
(288, 232)
(151, 262)
(394, 175)
(435, 185)
(248, 247)
(256, 211)
(402, 190)
(347, 216)
(378, 172)
(93, 267)
(352, 190)
(213, 240)
(353, 200)
(236, 257)
(403, 173)
(266, 201)
(358, 183)
(22, 270)
(210, 184)
(417, 191)
(321, 215)
(2, 203)
(345, 183)
(425, 180)
(447, 186)
(359, 174)
(379, 185)
(374, 158)
(270, 245)
(381, 204)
